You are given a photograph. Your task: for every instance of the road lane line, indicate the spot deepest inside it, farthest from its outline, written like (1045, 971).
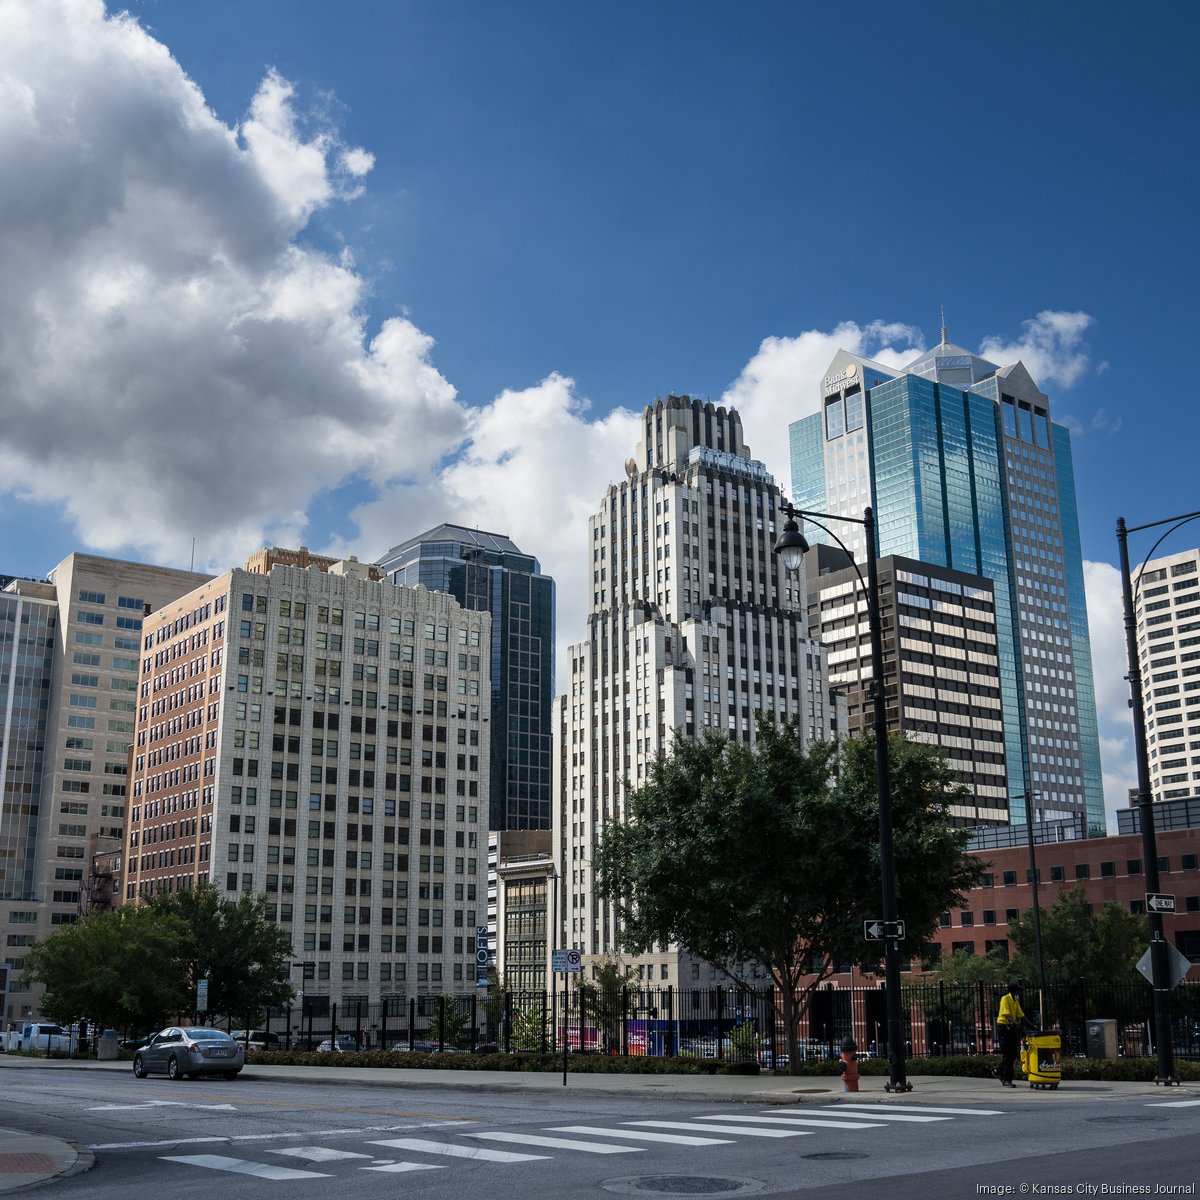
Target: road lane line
(818, 1122)
(747, 1131)
(240, 1166)
(533, 1139)
(318, 1153)
(674, 1139)
(453, 1151)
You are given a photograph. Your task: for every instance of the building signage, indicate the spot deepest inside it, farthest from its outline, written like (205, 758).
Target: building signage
(482, 956)
(566, 961)
(1160, 902)
(833, 383)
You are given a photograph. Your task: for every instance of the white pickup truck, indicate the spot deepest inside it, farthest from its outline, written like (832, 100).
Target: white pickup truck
(38, 1035)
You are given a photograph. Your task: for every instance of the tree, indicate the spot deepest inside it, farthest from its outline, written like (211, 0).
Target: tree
(962, 967)
(770, 854)
(601, 1003)
(232, 943)
(1103, 946)
(118, 969)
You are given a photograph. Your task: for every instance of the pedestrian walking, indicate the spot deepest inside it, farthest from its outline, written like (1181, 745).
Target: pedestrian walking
(1009, 1023)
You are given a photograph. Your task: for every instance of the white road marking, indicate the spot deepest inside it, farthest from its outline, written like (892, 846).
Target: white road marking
(477, 1152)
(1174, 1104)
(397, 1168)
(674, 1139)
(819, 1123)
(318, 1153)
(747, 1131)
(925, 1108)
(533, 1139)
(161, 1104)
(884, 1115)
(239, 1166)
(230, 1139)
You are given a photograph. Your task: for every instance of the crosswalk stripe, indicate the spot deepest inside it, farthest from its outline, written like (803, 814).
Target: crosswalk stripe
(746, 1131)
(317, 1153)
(398, 1167)
(817, 1122)
(926, 1108)
(1173, 1104)
(885, 1115)
(453, 1151)
(240, 1166)
(674, 1139)
(533, 1139)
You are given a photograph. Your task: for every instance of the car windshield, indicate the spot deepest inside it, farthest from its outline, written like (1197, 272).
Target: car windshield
(207, 1035)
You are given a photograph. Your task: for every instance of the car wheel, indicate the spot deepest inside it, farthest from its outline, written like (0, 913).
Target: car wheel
(173, 1067)
(231, 1074)
(139, 1068)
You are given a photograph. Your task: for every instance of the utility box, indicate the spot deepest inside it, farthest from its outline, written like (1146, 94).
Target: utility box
(106, 1045)
(1102, 1038)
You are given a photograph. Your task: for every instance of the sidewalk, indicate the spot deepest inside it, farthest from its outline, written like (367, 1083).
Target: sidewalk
(27, 1159)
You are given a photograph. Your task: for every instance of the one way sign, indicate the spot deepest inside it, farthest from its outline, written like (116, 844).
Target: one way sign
(1160, 902)
(875, 930)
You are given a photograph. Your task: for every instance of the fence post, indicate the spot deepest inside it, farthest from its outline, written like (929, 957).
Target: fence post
(1083, 1007)
(333, 1028)
(670, 1026)
(474, 1021)
(625, 1019)
(412, 1022)
(543, 1020)
(506, 1032)
(383, 1016)
(720, 1011)
(441, 1023)
(359, 1039)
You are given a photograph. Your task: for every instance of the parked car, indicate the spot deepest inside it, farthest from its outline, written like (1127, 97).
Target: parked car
(348, 1045)
(39, 1035)
(188, 1053)
(256, 1039)
(135, 1043)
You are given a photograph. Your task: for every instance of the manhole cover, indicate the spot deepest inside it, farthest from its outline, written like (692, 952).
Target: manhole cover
(833, 1155)
(683, 1185)
(1125, 1120)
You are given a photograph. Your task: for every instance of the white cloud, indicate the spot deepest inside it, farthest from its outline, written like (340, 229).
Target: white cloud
(781, 383)
(1052, 346)
(1106, 624)
(536, 467)
(172, 361)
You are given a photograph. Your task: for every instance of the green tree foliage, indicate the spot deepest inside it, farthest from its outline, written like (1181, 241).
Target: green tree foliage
(244, 955)
(120, 969)
(770, 854)
(601, 1000)
(529, 1028)
(451, 1022)
(964, 967)
(1102, 947)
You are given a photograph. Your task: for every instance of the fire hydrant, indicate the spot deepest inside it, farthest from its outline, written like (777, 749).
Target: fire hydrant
(848, 1065)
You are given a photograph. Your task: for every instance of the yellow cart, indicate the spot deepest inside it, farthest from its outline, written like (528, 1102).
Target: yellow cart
(1041, 1055)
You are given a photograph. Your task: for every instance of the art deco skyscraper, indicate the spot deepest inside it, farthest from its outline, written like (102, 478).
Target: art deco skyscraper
(693, 625)
(965, 469)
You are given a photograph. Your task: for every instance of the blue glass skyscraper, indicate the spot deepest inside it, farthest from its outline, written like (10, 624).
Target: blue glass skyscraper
(486, 572)
(965, 469)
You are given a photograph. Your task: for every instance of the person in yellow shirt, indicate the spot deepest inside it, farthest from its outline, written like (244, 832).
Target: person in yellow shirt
(1009, 1023)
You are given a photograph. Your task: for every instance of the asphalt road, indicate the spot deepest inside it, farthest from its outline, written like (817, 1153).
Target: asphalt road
(264, 1139)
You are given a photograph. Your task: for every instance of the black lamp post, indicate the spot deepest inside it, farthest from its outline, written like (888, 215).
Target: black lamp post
(1158, 947)
(1037, 910)
(791, 548)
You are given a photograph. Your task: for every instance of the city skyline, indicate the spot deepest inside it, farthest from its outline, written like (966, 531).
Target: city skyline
(358, 275)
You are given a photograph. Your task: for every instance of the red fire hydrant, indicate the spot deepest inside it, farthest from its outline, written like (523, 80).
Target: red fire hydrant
(848, 1065)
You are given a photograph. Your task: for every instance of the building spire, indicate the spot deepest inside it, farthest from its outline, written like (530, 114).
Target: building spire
(945, 332)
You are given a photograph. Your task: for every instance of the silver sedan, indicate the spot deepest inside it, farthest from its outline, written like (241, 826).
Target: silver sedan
(183, 1053)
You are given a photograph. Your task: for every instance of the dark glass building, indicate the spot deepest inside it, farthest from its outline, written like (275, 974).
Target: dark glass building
(486, 572)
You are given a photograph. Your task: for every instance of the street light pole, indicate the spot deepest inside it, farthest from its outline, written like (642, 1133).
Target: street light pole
(1037, 909)
(791, 548)
(1159, 970)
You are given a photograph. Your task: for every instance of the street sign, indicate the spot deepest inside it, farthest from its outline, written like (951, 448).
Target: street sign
(566, 961)
(1178, 966)
(877, 930)
(202, 995)
(1160, 902)
(481, 955)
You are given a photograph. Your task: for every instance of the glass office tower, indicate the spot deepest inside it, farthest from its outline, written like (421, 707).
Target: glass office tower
(965, 469)
(486, 572)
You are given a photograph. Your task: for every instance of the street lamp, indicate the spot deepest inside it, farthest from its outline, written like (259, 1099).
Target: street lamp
(1037, 910)
(1159, 972)
(791, 548)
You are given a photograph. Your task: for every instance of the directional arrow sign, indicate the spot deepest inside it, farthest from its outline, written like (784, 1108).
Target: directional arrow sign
(1160, 902)
(873, 930)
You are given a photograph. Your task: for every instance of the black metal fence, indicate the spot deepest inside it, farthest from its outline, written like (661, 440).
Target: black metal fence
(732, 1023)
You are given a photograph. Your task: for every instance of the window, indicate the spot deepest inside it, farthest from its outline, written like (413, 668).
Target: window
(1083, 871)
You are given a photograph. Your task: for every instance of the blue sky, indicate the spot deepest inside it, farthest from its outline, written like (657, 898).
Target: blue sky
(382, 264)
